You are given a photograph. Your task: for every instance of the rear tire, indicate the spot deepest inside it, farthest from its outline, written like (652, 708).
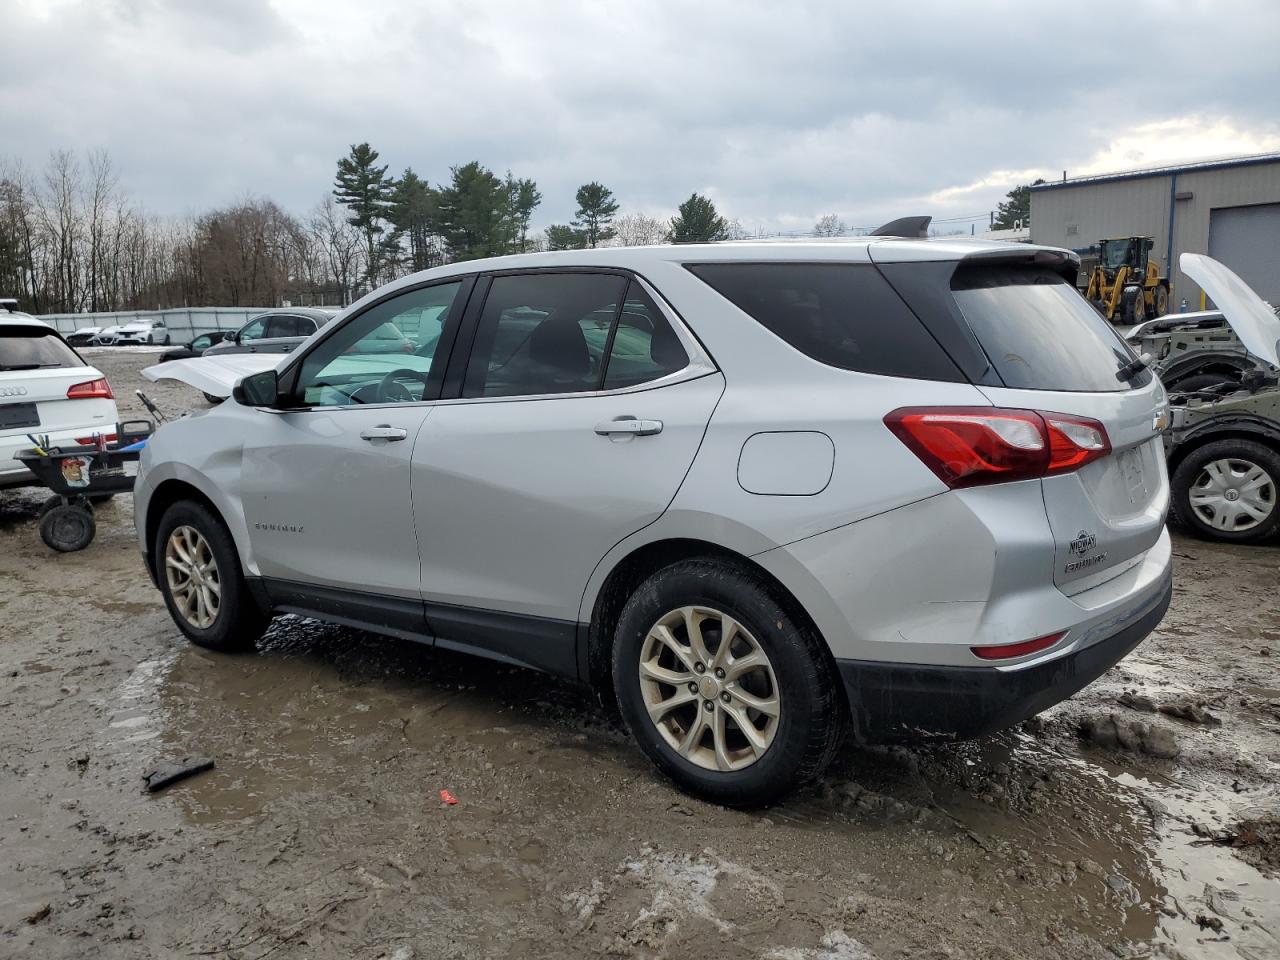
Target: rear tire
(699, 742)
(1160, 301)
(199, 573)
(1227, 490)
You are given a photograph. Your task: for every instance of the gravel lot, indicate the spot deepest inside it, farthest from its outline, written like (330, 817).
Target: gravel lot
(321, 832)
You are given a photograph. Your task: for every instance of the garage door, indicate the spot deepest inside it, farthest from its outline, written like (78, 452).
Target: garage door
(1247, 239)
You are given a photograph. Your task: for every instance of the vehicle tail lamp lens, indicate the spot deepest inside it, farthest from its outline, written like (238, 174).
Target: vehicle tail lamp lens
(106, 438)
(1007, 651)
(973, 446)
(98, 389)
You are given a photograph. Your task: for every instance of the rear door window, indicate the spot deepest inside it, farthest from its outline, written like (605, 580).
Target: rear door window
(1039, 333)
(842, 314)
(34, 348)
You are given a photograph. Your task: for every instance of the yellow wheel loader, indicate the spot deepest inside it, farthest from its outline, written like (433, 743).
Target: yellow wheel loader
(1126, 285)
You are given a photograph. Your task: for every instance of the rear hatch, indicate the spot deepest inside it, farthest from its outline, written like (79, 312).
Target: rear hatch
(1038, 345)
(37, 372)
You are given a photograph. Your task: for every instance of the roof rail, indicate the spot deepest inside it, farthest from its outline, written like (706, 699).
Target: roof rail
(913, 227)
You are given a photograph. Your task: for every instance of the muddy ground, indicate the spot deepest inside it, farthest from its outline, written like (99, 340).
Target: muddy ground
(321, 833)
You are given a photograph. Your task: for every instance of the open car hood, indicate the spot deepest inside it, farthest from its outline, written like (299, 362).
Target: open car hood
(1253, 321)
(214, 375)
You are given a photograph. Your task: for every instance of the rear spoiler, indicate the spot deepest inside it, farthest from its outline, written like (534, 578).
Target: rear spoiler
(1062, 262)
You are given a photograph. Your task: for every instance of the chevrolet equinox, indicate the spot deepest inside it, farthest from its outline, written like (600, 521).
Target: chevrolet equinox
(764, 494)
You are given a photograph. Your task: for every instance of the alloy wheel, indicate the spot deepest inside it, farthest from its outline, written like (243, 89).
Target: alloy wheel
(192, 575)
(1233, 495)
(709, 688)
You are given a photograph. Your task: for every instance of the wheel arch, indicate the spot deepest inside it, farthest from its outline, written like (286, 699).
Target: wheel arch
(1240, 429)
(632, 569)
(165, 495)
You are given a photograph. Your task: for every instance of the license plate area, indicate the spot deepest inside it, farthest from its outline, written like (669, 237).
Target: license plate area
(15, 415)
(1133, 475)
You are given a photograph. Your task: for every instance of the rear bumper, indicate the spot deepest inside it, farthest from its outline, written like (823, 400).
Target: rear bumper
(902, 702)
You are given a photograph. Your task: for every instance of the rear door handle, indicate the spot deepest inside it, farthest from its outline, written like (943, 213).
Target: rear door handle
(384, 431)
(629, 426)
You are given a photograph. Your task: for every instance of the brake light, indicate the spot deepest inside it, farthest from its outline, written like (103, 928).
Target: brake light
(98, 389)
(973, 446)
(106, 438)
(1007, 651)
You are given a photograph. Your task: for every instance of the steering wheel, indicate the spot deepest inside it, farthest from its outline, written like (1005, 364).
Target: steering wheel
(391, 390)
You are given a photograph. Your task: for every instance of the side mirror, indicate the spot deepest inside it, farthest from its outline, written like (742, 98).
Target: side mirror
(256, 390)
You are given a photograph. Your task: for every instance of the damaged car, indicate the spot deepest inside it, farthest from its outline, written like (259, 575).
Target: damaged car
(1220, 368)
(760, 494)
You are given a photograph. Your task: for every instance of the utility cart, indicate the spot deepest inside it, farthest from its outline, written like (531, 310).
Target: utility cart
(79, 475)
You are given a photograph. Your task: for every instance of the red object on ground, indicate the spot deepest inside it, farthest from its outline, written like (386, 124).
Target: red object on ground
(448, 797)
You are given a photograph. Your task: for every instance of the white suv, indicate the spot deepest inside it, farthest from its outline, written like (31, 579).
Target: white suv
(148, 332)
(46, 389)
(764, 493)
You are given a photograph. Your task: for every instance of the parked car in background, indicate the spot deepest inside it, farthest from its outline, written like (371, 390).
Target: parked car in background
(45, 388)
(84, 336)
(145, 332)
(276, 331)
(1222, 371)
(761, 493)
(196, 347)
(106, 336)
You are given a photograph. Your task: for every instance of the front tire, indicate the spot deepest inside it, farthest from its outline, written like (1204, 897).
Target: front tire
(728, 694)
(1227, 490)
(199, 573)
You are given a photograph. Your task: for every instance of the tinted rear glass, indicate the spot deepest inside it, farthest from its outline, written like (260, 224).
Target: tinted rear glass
(31, 348)
(842, 314)
(1039, 333)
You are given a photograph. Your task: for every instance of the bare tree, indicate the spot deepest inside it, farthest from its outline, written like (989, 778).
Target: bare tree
(638, 230)
(829, 225)
(339, 244)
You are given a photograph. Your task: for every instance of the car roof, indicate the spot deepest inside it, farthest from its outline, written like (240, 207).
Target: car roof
(13, 319)
(315, 313)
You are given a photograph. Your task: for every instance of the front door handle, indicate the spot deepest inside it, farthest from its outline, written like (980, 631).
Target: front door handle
(629, 426)
(384, 431)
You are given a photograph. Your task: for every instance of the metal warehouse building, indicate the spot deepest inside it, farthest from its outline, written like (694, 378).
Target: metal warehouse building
(1229, 209)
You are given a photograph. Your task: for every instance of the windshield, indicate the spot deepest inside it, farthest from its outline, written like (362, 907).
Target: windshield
(1040, 334)
(1115, 253)
(32, 348)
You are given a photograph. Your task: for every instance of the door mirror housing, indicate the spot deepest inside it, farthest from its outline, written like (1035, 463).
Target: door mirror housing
(257, 389)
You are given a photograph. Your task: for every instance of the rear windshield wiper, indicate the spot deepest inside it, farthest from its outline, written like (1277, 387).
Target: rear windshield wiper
(1131, 369)
(23, 366)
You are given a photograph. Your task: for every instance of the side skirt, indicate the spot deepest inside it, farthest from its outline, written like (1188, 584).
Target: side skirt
(540, 643)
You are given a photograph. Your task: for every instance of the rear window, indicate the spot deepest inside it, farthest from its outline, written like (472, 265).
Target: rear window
(32, 348)
(1039, 333)
(842, 314)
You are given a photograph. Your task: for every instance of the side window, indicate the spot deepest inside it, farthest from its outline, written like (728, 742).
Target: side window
(253, 331)
(202, 342)
(644, 346)
(385, 355)
(842, 314)
(543, 333)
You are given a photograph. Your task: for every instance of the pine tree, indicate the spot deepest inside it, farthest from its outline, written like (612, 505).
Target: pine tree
(563, 237)
(698, 221)
(1017, 209)
(474, 213)
(365, 189)
(413, 212)
(522, 199)
(596, 210)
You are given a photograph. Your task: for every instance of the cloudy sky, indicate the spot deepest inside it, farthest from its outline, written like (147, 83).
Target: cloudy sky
(779, 112)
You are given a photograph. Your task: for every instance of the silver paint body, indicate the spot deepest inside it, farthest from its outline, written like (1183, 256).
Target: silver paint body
(517, 505)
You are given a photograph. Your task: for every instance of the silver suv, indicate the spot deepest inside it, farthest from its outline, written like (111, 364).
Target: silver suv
(761, 493)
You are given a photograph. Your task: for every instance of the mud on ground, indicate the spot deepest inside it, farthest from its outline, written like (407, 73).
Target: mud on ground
(321, 832)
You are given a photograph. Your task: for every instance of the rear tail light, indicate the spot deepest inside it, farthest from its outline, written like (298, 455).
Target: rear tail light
(105, 437)
(1007, 651)
(91, 390)
(973, 446)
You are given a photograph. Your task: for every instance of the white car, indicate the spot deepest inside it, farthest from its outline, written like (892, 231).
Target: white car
(147, 332)
(83, 336)
(45, 388)
(106, 336)
(760, 493)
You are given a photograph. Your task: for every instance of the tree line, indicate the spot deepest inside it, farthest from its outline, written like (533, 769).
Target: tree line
(73, 240)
